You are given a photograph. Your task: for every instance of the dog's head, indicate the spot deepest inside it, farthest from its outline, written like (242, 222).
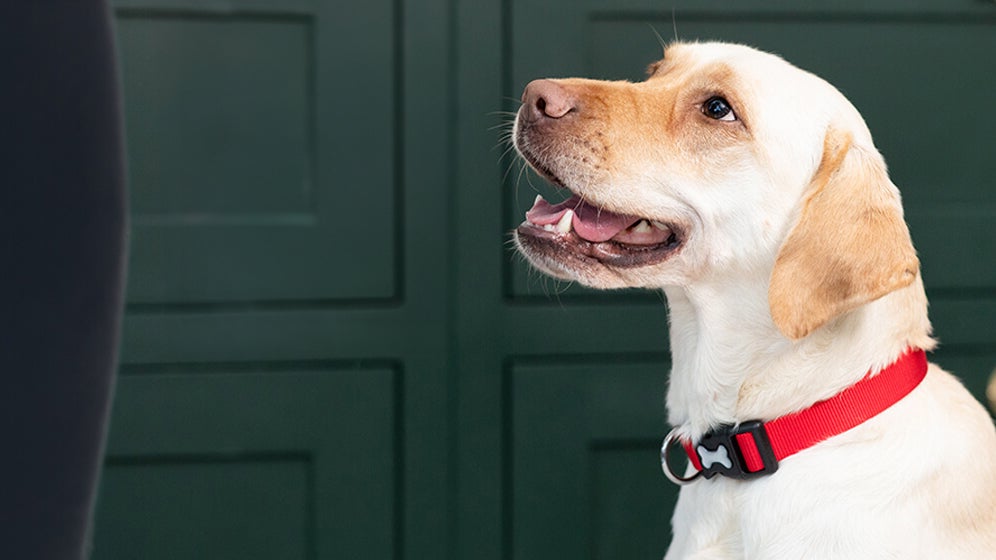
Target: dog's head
(725, 163)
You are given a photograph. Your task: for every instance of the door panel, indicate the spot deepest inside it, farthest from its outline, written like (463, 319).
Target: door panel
(248, 507)
(585, 444)
(262, 141)
(192, 124)
(222, 463)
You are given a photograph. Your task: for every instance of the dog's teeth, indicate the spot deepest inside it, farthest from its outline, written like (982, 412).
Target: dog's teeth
(566, 221)
(641, 227)
(548, 227)
(539, 198)
(659, 225)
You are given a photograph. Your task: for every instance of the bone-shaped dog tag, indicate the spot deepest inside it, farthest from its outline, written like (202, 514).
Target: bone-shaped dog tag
(709, 458)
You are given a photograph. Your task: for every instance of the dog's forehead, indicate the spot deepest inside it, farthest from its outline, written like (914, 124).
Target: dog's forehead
(746, 61)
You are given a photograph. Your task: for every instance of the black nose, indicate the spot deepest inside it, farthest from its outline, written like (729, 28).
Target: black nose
(546, 99)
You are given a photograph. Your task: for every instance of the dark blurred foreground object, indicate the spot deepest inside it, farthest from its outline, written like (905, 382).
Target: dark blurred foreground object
(62, 231)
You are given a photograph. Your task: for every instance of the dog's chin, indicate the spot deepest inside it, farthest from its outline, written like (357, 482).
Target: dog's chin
(602, 265)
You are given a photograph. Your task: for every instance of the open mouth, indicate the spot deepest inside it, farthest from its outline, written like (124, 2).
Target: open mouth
(575, 232)
(614, 239)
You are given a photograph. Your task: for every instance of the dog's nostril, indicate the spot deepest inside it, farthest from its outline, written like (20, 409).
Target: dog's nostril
(548, 99)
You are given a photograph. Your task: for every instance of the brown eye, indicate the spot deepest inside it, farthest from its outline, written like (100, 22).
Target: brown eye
(719, 109)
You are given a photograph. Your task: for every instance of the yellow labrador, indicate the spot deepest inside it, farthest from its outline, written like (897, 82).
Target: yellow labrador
(750, 192)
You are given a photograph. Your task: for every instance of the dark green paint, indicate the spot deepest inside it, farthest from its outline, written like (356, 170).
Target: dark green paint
(301, 458)
(585, 477)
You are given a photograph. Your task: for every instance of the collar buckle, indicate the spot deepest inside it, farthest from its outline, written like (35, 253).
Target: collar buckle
(736, 451)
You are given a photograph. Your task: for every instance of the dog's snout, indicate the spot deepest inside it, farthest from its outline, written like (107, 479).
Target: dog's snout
(546, 99)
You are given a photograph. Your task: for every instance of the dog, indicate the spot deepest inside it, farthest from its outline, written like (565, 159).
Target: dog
(751, 193)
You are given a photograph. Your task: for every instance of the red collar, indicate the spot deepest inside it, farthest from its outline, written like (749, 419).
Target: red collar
(755, 448)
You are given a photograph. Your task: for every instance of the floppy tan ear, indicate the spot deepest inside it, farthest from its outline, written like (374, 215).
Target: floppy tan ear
(850, 245)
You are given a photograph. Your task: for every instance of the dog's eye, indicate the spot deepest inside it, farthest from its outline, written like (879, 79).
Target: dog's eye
(719, 109)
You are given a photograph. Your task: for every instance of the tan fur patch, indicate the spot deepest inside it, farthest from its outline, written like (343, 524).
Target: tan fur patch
(827, 267)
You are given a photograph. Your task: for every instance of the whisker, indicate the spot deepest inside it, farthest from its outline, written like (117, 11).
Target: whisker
(508, 149)
(674, 23)
(529, 181)
(580, 203)
(660, 39)
(508, 170)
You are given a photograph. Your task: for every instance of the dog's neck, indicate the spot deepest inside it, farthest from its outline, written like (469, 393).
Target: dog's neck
(731, 364)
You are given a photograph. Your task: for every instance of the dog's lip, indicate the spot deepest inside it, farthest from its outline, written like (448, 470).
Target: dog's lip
(558, 245)
(619, 240)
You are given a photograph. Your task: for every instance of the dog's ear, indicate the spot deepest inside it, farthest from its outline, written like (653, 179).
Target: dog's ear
(849, 246)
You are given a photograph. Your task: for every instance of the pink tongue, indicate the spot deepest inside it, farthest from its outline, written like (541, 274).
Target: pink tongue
(590, 223)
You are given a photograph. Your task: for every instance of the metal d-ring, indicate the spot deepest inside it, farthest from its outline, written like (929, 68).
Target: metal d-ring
(670, 440)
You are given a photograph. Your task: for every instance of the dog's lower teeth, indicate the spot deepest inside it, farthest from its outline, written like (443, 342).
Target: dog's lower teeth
(659, 225)
(641, 227)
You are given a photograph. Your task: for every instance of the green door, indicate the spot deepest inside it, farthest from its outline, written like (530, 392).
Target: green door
(329, 349)
(283, 381)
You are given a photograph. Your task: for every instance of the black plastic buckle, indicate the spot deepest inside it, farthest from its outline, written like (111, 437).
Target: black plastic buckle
(719, 452)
